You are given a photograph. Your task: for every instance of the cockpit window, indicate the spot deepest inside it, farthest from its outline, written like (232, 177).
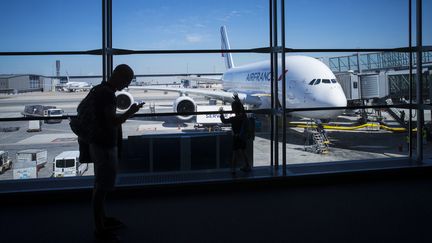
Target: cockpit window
(317, 81)
(326, 81)
(312, 82)
(334, 81)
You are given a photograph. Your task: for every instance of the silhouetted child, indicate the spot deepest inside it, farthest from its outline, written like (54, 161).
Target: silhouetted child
(238, 123)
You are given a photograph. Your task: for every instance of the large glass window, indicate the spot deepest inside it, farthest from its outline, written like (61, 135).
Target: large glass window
(50, 25)
(346, 24)
(174, 25)
(342, 105)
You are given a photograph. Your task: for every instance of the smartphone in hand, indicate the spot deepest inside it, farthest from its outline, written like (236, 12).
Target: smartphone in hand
(140, 103)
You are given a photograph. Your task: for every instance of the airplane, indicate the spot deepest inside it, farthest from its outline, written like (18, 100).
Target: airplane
(309, 84)
(75, 86)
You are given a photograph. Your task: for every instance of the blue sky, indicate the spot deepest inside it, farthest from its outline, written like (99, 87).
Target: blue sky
(58, 25)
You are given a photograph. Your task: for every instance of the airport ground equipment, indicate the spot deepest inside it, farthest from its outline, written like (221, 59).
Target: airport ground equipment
(211, 121)
(24, 169)
(35, 126)
(316, 140)
(43, 111)
(398, 115)
(371, 126)
(5, 161)
(67, 164)
(38, 156)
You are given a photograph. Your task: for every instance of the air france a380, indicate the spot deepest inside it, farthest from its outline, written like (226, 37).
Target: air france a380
(309, 84)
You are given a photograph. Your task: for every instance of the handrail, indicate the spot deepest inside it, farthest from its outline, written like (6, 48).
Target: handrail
(256, 111)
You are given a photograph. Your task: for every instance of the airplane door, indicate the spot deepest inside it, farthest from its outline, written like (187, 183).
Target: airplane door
(307, 92)
(291, 89)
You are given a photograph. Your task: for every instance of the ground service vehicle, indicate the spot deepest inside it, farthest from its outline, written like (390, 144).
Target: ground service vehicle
(43, 111)
(67, 164)
(25, 169)
(37, 155)
(5, 162)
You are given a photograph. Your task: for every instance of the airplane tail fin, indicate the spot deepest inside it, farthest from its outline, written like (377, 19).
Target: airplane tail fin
(67, 77)
(226, 46)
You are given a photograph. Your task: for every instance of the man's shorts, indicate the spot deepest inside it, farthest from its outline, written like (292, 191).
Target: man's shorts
(105, 162)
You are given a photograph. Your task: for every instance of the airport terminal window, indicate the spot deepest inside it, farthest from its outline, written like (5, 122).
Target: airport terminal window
(155, 129)
(355, 85)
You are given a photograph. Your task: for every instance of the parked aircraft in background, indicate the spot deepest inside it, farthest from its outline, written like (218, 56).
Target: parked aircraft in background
(75, 86)
(309, 84)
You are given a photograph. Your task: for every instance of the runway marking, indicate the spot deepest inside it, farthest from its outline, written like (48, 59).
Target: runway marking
(63, 140)
(49, 138)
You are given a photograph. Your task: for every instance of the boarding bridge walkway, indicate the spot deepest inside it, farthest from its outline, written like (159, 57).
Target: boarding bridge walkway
(376, 61)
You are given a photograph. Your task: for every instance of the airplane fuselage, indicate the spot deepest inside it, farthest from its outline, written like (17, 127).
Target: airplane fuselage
(301, 89)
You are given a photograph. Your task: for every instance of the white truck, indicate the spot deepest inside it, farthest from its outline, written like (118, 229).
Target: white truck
(67, 164)
(5, 162)
(40, 156)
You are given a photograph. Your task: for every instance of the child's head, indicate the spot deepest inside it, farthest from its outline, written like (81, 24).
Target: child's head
(236, 105)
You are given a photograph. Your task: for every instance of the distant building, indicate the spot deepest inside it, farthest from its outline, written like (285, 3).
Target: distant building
(20, 83)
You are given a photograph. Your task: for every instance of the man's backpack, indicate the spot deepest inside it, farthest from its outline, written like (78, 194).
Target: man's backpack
(84, 125)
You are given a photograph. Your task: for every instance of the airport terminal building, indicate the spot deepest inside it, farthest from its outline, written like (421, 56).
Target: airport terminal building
(21, 83)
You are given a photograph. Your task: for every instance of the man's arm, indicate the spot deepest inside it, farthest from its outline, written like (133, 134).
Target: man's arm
(115, 119)
(222, 117)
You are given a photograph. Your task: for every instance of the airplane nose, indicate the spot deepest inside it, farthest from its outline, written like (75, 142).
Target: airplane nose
(337, 99)
(334, 98)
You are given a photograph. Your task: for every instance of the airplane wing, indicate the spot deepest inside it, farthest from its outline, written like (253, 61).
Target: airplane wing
(201, 80)
(251, 99)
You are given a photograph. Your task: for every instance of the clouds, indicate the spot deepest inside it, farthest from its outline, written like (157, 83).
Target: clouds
(233, 14)
(194, 38)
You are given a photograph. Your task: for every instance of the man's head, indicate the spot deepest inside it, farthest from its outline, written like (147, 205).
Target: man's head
(121, 76)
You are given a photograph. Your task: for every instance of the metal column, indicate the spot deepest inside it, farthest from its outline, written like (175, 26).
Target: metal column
(271, 83)
(104, 57)
(109, 39)
(107, 57)
(410, 124)
(275, 86)
(419, 80)
(283, 73)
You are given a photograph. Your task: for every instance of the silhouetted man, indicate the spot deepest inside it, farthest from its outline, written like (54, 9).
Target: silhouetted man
(104, 148)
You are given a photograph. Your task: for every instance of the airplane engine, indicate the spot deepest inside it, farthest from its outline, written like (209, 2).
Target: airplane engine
(124, 100)
(184, 104)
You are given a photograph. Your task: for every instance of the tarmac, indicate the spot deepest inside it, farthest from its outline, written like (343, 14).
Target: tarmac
(361, 144)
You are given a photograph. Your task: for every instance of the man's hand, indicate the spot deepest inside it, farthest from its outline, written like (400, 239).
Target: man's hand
(135, 107)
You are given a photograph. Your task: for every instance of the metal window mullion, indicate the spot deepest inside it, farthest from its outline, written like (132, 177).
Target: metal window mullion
(410, 95)
(275, 86)
(419, 80)
(271, 83)
(104, 68)
(109, 38)
(284, 162)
